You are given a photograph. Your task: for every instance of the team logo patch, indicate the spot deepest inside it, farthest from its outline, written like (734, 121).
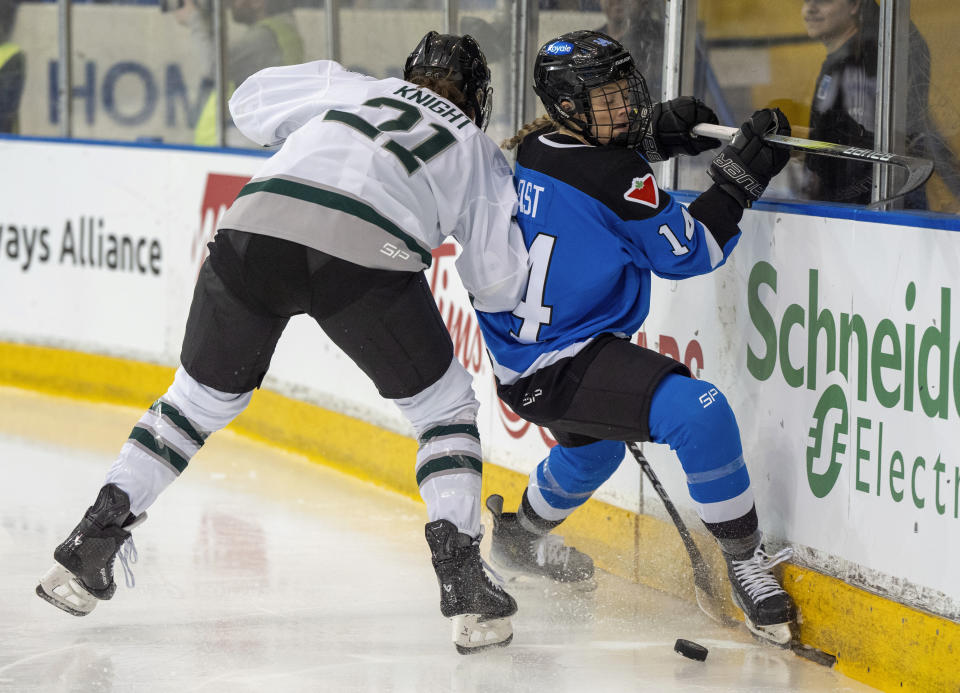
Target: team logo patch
(644, 190)
(559, 48)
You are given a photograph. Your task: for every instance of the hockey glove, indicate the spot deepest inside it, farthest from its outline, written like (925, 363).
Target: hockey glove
(670, 127)
(744, 167)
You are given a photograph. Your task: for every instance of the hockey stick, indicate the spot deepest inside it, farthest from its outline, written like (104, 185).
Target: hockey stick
(707, 597)
(918, 170)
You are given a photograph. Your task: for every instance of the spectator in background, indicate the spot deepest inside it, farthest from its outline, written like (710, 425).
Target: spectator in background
(639, 26)
(271, 39)
(567, 5)
(845, 101)
(12, 69)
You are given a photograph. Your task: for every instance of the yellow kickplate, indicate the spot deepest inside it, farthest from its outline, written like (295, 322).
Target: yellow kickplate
(875, 640)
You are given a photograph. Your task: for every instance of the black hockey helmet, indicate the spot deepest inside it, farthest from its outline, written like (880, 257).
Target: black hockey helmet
(569, 66)
(459, 59)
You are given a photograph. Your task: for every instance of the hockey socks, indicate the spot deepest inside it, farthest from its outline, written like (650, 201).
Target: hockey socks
(449, 469)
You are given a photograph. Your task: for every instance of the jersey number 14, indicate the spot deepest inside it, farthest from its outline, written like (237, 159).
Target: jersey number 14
(532, 310)
(676, 246)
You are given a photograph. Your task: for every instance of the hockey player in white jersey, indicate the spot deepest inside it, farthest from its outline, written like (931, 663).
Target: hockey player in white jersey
(339, 224)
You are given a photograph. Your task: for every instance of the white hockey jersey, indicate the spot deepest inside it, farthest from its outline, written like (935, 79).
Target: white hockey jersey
(378, 172)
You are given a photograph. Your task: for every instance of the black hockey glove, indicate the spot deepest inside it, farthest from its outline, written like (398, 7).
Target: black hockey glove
(670, 127)
(745, 166)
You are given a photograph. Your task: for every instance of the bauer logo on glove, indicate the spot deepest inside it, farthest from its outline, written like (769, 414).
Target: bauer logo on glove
(744, 167)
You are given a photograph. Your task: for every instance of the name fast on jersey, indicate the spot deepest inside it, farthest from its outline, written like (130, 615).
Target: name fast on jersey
(529, 197)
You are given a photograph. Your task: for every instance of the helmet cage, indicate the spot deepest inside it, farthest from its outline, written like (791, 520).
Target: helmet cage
(564, 82)
(460, 60)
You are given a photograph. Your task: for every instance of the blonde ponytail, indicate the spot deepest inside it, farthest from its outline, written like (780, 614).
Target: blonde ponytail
(535, 124)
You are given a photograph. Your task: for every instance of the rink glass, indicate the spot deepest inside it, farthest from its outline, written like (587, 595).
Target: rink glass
(152, 80)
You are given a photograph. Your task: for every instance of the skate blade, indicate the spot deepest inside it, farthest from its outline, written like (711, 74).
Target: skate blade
(713, 608)
(708, 605)
(59, 587)
(777, 634)
(531, 584)
(517, 578)
(472, 634)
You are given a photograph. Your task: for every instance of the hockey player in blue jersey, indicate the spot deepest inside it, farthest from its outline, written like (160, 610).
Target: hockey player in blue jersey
(597, 225)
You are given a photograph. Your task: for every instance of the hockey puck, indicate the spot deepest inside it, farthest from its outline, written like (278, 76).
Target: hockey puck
(690, 649)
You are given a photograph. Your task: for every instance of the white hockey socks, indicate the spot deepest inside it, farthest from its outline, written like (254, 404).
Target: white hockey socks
(168, 435)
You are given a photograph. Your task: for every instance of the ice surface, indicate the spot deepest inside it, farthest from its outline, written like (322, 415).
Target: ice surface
(260, 571)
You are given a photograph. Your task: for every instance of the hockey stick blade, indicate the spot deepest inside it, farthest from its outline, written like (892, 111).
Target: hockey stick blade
(701, 573)
(918, 170)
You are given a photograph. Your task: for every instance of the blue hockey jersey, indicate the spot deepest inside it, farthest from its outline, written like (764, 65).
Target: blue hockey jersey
(596, 225)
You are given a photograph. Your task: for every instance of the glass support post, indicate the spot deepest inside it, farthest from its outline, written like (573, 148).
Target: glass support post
(332, 16)
(451, 19)
(892, 80)
(523, 33)
(65, 71)
(672, 72)
(219, 71)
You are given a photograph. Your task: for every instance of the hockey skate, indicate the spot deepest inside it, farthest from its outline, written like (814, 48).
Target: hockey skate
(83, 573)
(767, 609)
(523, 554)
(479, 609)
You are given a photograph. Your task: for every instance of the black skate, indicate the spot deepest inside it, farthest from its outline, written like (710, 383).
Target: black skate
(84, 571)
(767, 609)
(480, 610)
(521, 553)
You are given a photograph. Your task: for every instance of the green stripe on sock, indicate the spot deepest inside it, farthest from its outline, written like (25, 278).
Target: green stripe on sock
(441, 464)
(147, 440)
(181, 422)
(452, 429)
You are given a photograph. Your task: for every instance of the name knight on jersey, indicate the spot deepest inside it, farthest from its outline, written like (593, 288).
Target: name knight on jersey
(430, 100)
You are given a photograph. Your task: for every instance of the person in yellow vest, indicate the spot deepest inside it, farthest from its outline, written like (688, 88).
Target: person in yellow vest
(271, 38)
(12, 69)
